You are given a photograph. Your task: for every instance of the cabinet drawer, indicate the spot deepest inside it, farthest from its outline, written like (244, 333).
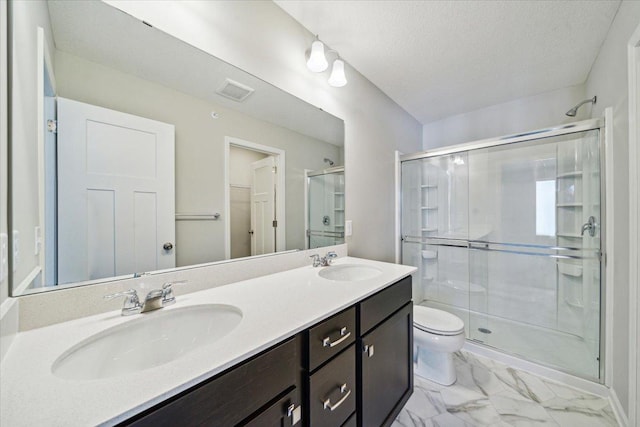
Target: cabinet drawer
(233, 396)
(378, 307)
(332, 391)
(279, 413)
(330, 337)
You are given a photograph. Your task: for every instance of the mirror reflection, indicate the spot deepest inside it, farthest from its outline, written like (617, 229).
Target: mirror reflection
(134, 152)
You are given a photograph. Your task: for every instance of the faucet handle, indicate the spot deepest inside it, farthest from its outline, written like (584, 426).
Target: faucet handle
(131, 301)
(331, 255)
(167, 292)
(316, 260)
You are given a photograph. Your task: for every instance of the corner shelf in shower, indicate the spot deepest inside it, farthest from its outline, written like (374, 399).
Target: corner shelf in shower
(570, 235)
(569, 205)
(571, 174)
(574, 304)
(429, 254)
(569, 269)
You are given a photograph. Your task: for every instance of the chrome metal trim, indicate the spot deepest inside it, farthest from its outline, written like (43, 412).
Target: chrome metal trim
(485, 244)
(325, 233)
(436, 241)
(581, 126)
(336, 169)
(326, 404)
(326, 342)
(603, 251)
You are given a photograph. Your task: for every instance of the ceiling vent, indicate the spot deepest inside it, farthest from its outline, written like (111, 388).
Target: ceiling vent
(234, 90)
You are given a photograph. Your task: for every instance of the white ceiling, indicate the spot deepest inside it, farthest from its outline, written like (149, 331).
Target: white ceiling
(440, 58)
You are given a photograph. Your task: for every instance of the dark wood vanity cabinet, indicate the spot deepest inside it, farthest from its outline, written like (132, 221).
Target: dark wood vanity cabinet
(385, 363)
(352, 369)
(262, 388)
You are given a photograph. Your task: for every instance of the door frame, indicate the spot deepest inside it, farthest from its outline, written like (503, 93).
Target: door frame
(633, 58)
(280, 160)
(44, 75)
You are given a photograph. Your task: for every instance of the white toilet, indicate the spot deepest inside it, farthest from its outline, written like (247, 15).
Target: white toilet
(436, 336)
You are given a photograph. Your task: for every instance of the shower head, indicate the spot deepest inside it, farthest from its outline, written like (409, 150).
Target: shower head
(574, 110)
(328, 161)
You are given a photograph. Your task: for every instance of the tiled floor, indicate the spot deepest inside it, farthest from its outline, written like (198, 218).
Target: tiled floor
(488, 393)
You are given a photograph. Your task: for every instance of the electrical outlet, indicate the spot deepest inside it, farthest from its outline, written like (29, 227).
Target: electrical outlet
(16, 249)
(38, 240)
(4, 256)
(348, 228)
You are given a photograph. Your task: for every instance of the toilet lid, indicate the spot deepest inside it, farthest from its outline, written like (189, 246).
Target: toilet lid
(436, 321)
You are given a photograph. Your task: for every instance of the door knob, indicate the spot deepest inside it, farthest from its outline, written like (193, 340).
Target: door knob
(167, 246)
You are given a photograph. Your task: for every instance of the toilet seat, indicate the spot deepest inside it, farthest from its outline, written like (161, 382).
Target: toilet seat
(436, 321)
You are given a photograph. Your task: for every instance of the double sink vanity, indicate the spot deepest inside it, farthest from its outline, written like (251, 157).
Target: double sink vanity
(313, 346)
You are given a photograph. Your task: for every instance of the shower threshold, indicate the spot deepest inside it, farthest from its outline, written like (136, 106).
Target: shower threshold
(554, 349)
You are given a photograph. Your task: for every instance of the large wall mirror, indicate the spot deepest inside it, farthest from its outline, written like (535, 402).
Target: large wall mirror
(134, 152)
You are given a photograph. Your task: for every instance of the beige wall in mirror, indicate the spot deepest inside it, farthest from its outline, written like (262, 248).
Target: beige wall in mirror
(123, 79)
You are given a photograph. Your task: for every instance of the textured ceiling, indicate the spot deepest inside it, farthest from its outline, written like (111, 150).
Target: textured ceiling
(440, 58)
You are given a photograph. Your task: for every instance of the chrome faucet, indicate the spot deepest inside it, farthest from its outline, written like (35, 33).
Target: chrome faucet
(324, 261)
(155, 299)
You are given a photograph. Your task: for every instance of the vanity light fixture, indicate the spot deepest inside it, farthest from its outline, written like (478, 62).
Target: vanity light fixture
(317, 63)
(337, 78)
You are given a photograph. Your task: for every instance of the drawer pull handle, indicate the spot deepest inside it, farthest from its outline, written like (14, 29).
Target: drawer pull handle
(326, 342)
(343, 390)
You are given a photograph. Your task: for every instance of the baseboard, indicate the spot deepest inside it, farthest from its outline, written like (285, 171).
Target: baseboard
(621, 417)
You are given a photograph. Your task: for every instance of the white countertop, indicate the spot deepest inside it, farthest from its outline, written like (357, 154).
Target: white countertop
(274, 307)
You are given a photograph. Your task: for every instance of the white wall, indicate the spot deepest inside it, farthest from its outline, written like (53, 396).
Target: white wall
(524, 114)
(4, 284)
(262, 39)
(199, 149)
(608, 79)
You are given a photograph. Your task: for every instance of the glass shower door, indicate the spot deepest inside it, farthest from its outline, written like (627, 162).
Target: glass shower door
(325, 209)
(534, 215)
(435, 230)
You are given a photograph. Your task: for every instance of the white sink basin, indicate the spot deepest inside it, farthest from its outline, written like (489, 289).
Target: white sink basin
(349, 272)
(150, 340)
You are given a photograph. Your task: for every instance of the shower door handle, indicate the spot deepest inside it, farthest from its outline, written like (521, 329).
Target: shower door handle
(590, 226)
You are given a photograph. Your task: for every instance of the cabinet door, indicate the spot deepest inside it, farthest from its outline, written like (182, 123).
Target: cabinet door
(387, 368)
(285, 412)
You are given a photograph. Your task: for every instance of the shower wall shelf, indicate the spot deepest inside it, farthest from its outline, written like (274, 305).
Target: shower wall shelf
(571, 174)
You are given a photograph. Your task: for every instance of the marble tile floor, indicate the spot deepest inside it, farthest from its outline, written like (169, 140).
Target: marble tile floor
(489, 393)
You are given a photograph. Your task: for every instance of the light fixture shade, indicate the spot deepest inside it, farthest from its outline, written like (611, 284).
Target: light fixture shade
(337, 78)
(317, 61)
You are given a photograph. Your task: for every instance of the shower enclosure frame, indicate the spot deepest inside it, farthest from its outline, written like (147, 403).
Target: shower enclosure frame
(534, 138)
